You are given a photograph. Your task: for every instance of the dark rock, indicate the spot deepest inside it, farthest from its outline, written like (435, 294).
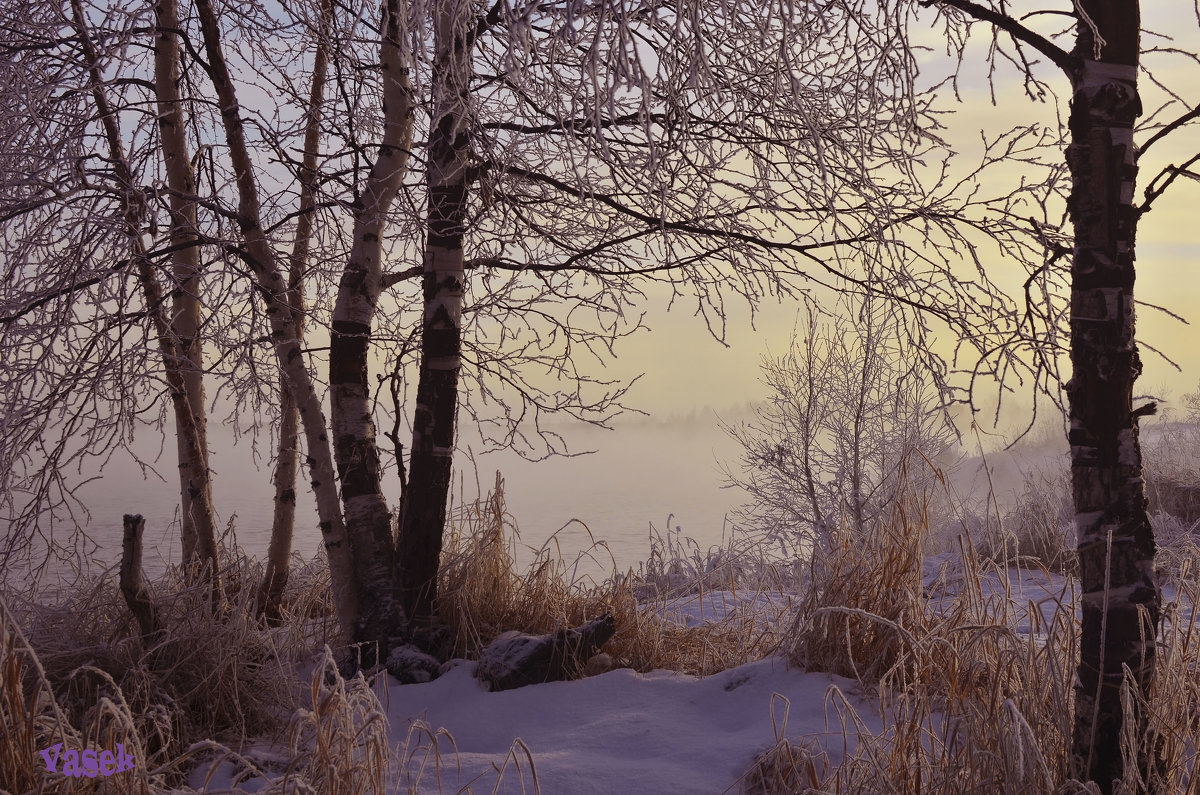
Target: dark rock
(410, 665)
(515, 659)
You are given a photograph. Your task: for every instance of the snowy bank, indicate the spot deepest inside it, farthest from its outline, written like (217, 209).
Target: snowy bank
(620, 732)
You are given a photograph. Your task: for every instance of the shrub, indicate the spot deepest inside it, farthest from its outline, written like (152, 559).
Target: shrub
(864, 602)
(213, 677)
(1039, 530)
(970, 704)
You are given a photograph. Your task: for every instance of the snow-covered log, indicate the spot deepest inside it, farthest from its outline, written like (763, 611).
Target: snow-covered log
(515, 659)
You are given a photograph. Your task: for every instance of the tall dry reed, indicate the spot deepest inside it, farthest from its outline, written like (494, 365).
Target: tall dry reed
(970, 703)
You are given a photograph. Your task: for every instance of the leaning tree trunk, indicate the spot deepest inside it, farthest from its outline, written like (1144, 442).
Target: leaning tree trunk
(260, 256)
(197, 524)
(283, 523)
(135, 219)
(419, 545)
(1121, 600)
(355, 447)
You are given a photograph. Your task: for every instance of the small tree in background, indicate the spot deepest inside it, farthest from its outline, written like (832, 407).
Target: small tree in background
(1191, 403)
(835, 443)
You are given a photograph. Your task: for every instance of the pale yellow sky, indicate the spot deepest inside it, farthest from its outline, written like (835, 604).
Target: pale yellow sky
(685, 368)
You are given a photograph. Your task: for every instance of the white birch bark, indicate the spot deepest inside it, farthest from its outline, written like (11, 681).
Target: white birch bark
(1121, 601)
(197, 524)
(355, 446)
(420, 542)
(283, 521)
(135, 218)
(260, 256)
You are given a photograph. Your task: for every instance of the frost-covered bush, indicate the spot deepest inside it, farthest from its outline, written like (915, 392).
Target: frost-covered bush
(854, 417)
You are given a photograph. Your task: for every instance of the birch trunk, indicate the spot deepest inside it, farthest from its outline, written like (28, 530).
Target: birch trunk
(260, 256)
(1121, 600)
(283, 524)
(355, 447)
(197, 524)
(420, 542)
(134, 220)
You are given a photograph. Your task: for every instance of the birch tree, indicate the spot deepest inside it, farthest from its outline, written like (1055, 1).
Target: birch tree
(121, 207)
(1121, 599)
(263, 262)
(361, 283)
(177, 337)
(434, 418)
(197, 525)
(287, 460)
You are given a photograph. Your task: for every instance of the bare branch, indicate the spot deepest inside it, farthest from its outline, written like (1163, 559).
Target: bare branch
(1058, 56)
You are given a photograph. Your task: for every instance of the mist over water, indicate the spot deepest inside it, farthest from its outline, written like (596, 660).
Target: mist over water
(641, 472)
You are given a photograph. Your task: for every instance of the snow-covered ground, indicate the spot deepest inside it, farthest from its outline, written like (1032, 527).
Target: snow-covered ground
(661, 732)
(623, 732)
(617, 732)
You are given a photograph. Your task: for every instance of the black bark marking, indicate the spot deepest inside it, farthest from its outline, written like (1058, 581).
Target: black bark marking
(348, 344)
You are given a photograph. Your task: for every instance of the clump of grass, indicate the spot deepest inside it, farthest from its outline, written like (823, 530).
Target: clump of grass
(481, 595)
(970, 704)
(1172, 471)
(989, 712)
(1037, 531)
(677, 566)
(338, 746)
(421, 756)
(1177, 498)
(33, 720)
(787, 766)
(1176, 542)
(864, 601)
(1173, 712)
(343, 737)
(213, 675)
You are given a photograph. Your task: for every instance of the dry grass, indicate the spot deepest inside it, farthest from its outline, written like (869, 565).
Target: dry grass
(970, 705)
(1038, 531)
(337, 744)
(786, 766)
(481, 595)
(425, 753)
(1172, 471)
(79, 665)
(343, 737)
(33, 720)
(864, 601)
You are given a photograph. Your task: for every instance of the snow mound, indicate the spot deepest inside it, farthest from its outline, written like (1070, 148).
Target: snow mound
(621, 731)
